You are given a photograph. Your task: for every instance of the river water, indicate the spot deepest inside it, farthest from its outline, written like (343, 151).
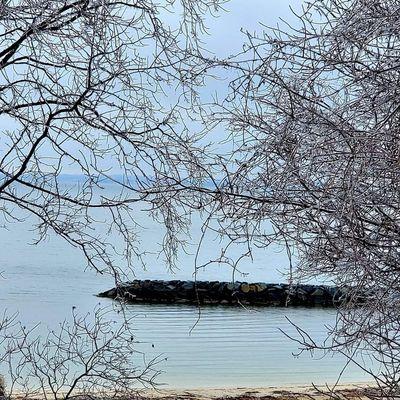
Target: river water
(230, 346)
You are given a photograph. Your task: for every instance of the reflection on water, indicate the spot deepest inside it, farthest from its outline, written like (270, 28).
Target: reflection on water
(228, 347)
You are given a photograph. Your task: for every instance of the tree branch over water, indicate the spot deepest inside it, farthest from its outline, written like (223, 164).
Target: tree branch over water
(91, 356)
(311, 143)
(314, 117)
(103, 90)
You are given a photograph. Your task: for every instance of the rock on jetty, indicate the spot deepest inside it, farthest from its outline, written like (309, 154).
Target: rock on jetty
(225, 293)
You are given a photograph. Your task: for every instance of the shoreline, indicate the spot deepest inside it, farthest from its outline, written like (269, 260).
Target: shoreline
(270, 392)
(351, 391)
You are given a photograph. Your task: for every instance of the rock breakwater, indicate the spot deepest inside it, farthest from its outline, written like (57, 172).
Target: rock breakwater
(226, 293)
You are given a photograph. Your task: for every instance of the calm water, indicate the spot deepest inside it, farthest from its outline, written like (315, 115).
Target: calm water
(228, 347)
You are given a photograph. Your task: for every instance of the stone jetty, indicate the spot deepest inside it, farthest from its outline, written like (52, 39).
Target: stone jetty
(226, 293)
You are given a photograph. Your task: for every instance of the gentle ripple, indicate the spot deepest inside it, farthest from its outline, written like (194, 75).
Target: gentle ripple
(228, 347)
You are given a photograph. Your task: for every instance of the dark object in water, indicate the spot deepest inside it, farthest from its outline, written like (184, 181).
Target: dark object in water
(226, 293)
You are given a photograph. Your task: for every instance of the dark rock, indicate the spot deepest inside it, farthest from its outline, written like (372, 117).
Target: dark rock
(215, 292)
(233, 286)
(318, 293)
(245, 287)
(188, 285)
(112, 293)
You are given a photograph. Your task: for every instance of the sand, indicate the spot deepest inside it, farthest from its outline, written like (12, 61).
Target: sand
(352, 391)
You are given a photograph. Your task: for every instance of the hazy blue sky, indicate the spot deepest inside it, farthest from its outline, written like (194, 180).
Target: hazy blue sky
(225, 37)
(224, 32)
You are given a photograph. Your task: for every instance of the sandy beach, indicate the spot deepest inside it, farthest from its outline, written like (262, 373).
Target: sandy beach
(299, 392)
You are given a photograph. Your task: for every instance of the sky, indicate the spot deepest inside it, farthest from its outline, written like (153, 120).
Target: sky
(225, 37)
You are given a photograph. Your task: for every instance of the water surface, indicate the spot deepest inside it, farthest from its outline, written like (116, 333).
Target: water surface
(228, 347)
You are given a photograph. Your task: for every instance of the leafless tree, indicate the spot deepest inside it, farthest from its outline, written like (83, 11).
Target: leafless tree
(107, 87)
(104, 89)
(313, 114)
(107, 90)
(91, 356)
